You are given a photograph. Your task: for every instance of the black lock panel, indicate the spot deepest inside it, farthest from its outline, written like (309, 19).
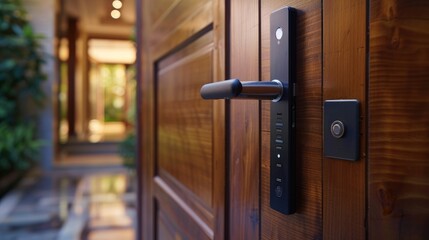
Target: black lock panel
(341, 129)
(282, 163)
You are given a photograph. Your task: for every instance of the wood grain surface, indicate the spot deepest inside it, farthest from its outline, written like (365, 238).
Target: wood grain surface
(184, 119)
(344, 77)
(244, 137)
(399, 120)
(183, 222)
(383, 195)
(307, 222)
(182, 20)
(182, 137)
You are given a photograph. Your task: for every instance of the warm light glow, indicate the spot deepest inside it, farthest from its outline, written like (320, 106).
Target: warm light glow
(64, 49)
(115, 14)
(112, 51)
(117, 4)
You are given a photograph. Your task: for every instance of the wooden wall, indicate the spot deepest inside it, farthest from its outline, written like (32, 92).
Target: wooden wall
(398, 171)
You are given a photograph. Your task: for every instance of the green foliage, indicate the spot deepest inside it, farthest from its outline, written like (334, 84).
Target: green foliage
(16, 145)
(127, 149)
(21, 78)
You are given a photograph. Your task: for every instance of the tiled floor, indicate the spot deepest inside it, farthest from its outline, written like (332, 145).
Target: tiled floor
(93, 202)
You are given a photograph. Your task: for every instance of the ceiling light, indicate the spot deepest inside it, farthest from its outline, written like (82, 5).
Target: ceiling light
(117, 4)
(115, 14)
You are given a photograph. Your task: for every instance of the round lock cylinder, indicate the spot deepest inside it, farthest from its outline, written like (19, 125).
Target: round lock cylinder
(337, 129)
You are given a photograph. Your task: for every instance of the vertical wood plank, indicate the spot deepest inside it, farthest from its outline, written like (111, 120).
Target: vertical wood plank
(306, 223)
(244, 138)
(219, 112)
(146, 90)
(139, 115)
(344, 62)
(398, 150)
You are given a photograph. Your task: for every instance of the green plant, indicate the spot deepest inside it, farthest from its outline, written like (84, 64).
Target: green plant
(17, 144)
(127, 149)
(21, 78)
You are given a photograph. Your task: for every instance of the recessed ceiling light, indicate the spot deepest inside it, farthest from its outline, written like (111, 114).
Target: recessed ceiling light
(115, 14)
(117, 4)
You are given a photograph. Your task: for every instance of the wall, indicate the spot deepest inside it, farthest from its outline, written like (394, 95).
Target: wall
(41, 14)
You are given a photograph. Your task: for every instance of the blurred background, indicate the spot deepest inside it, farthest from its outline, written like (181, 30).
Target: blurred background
(67, 110)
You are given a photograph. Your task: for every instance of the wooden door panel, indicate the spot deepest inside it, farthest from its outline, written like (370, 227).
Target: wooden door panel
(183, 154)
(168, 12)
(306, 223)
(244, 120)
(178, 24)
(165, 231)
(184, 120)
(176, 217)
(158, 9)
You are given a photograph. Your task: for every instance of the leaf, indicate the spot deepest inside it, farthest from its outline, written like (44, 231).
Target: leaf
(28, 31)
(21, 80)
(17, 29)
(7, 64)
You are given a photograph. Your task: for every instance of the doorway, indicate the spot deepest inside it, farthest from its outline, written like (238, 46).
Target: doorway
(107, 108)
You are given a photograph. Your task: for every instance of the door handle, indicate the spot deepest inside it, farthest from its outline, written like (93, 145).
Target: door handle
(233, 88)
(281, 91)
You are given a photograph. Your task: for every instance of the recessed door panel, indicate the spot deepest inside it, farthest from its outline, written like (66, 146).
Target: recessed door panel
(184, 120)
(183, 150)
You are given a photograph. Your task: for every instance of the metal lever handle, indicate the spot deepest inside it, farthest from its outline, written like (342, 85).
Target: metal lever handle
(233, 88)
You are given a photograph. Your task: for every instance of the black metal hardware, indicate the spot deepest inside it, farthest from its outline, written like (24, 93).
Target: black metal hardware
(282, 67)
(341, 129)
(249, 90)
(281, 90)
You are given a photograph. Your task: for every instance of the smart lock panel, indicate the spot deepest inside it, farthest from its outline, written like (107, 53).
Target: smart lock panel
(282, 165)
(281, 91)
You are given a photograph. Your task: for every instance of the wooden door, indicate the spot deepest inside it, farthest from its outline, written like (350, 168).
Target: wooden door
(382, 195)
(205, 164)
(251, 216)
(325, 206)
(330, 65)
(182, 136)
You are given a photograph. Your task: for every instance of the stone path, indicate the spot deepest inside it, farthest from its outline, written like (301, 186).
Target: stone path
(71, 203)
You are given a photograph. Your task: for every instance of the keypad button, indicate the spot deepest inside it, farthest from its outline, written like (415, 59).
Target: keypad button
(279, 191)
